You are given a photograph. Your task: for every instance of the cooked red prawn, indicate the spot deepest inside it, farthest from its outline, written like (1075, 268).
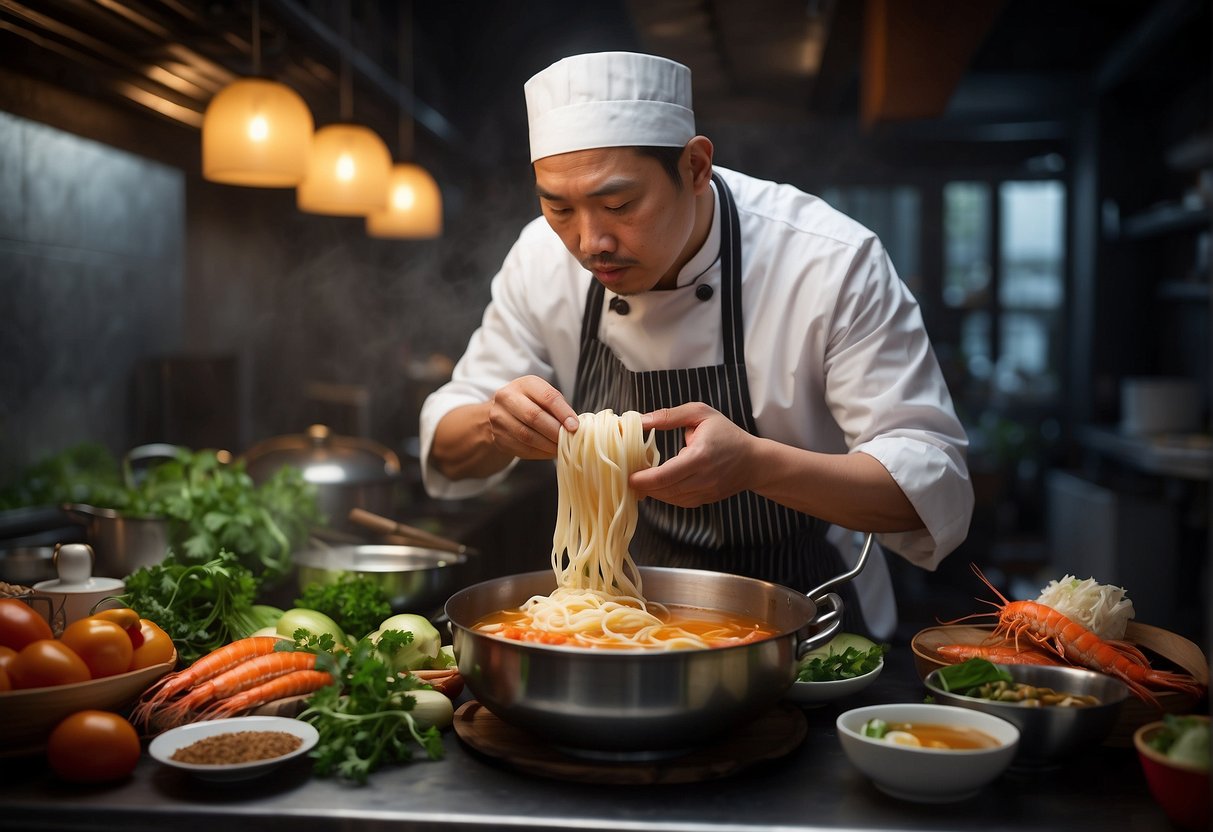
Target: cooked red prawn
(999, 654)
(1076, 644)
(243, 676)
(210, 666)
(295, 683)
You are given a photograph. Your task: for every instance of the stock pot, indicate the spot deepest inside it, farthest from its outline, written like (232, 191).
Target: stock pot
(627, 704)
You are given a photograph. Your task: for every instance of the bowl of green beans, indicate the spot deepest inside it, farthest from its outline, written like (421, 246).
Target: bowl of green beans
(1060, 711)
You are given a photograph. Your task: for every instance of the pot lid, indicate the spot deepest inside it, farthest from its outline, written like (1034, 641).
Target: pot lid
(323, 457)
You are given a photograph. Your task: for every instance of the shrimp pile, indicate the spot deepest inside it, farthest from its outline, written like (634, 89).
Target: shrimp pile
(1052, 634)
(227, 682)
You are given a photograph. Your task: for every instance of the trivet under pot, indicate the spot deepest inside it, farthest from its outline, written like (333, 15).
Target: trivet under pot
(770, 736)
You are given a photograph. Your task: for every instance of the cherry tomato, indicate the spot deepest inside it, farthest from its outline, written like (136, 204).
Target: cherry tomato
(127, 619)
(44, 663)
(93, 747)
(20, 624)
(157, 646)
(104, 646)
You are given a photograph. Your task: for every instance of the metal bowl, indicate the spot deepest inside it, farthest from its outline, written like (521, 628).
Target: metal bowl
(1050, 733)
(416, 579)
(638, 704)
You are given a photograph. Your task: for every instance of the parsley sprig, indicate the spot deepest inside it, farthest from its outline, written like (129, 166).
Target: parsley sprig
(365, 717)
(357, 602)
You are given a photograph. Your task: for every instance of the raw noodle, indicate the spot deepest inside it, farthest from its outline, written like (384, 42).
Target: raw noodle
(599, 598)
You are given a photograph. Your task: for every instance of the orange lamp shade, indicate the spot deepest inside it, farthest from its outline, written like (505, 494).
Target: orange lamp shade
(347, 172)
(257, 133)
(414, 209)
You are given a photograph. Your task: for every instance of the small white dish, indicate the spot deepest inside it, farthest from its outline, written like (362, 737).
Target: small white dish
(812, 694)
(165, 745)
(927, 775)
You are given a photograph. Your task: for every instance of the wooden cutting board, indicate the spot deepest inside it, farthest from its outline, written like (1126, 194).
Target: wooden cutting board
(770, 736)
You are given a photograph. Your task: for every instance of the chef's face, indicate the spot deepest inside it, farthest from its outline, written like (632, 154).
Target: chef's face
(622, 216)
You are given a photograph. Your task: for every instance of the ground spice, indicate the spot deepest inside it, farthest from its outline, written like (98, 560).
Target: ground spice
(237, 747)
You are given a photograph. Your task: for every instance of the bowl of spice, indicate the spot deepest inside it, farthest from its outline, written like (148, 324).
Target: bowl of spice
(233, 749)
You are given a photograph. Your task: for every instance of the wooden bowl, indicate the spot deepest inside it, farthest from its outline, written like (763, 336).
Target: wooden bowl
(28, 716)
(1166, 650)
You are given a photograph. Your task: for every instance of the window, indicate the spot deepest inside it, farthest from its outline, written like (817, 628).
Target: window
(1010, 303)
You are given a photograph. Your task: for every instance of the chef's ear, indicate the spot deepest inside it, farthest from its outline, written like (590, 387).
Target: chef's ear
(697, 159)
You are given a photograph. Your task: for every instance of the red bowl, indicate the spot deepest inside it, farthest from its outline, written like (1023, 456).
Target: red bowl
(1181, 790)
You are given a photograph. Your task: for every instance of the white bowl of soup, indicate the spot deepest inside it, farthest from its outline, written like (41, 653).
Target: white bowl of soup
(929, 753)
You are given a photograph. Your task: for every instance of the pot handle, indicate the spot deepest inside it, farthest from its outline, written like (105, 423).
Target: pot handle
(829, 622)
(860, 563)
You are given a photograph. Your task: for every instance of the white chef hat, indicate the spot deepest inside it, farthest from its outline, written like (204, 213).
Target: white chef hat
(609, 99)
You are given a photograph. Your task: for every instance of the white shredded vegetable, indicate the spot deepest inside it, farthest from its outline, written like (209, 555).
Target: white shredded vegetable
(1101, 608)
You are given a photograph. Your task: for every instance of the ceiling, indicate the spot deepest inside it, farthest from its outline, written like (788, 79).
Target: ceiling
(446, 77)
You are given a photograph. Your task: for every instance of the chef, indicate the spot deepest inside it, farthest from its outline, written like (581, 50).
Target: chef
(765, 337)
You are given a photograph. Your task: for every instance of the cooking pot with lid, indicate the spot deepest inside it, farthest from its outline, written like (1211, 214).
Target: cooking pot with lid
(348, 472)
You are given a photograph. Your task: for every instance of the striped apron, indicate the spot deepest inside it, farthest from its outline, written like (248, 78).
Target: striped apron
(745, 534)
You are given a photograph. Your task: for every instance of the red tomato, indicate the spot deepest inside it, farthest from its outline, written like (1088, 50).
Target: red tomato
(93, 747)
(20, 624)
(46, 662)
(104, 646)
(7, 654)
(157, 646)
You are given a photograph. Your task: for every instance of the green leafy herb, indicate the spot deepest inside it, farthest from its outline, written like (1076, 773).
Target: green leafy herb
(365, 718)
(83, 473)
(214, 505)
(848, 664)
(202, 606)
(970, 674)
(1185, 739)
(357, 602)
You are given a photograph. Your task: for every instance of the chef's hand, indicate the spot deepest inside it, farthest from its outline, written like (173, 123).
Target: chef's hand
(712, 465)
(525, 418)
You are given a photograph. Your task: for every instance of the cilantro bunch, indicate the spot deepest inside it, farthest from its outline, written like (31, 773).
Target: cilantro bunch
(202, 606)
(212, 505)
(365, 718)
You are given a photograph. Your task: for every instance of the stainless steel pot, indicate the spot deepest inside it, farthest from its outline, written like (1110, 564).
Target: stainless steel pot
(121, 543)
(416, 579)
(348, 472)
(642, 704)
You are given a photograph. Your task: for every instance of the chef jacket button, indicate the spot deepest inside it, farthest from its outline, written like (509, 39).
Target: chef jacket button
(704, 291)
(620, 306)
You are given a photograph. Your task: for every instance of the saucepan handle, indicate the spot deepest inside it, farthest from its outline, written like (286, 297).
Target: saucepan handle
(827, 622)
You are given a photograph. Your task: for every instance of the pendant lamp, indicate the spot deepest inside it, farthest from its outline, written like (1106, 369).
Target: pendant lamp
(349, 165)
(256, 132)
(414, 209)
(414, 206)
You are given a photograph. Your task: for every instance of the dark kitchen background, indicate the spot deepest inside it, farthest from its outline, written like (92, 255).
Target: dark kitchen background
(1041, 172)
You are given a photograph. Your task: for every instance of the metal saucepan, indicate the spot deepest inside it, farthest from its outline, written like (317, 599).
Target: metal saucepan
(642, 704)
(416, 579)
(122, 542)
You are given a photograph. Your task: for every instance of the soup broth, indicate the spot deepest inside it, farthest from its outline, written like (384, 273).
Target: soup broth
(717, 628)
(930, 735)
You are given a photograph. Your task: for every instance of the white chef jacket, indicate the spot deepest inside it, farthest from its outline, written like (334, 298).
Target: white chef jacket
(837, 357)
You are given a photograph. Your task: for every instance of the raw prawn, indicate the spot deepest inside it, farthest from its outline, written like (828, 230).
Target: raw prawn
(1076, 644)
(999, 654)
(295, 683)
(246, 675)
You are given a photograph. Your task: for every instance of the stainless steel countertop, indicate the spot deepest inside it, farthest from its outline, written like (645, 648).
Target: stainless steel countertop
(813, 788)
